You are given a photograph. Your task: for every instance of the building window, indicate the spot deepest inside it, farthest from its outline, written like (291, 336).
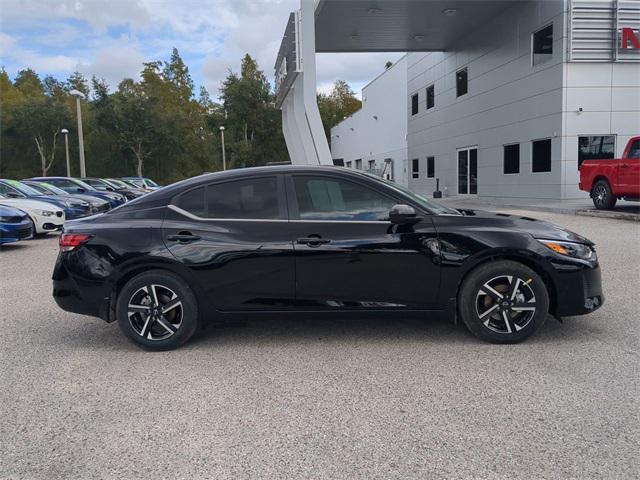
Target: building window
(372, 164)
(349, 164)
(415, 168)
(541, 156)
(462, 80)
(542, 45)
(414, 104)
(511, 159)
(359, 164)
(431, 167)
(597, 147)
(431, 92)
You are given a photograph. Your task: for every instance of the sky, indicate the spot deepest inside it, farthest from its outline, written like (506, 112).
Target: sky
(111, 39)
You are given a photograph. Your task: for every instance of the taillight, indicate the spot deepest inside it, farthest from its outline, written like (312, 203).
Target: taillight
(71, 241)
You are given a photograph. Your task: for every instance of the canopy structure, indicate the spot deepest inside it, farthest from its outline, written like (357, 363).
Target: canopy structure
(358, 26)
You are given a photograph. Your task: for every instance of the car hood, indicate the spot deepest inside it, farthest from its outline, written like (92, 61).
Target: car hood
(537, 228)
(10, 211)
(28, 204)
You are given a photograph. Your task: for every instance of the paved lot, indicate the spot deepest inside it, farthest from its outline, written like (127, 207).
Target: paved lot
(321, 399)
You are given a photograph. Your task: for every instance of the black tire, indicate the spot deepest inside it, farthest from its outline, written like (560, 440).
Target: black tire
(483, 312)
(602, 195)
(158, 329)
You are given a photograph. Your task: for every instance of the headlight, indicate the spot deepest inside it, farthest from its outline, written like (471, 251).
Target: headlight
(47, 213)
(570, 249)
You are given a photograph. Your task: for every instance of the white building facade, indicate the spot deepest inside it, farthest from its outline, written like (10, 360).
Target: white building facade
(518, 103)
(375, 137)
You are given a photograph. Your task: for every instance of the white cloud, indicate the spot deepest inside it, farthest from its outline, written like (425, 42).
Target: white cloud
(111, 38)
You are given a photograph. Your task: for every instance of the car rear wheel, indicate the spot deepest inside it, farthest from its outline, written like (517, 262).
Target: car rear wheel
(157, 310)
(602, 196)
(503, 302)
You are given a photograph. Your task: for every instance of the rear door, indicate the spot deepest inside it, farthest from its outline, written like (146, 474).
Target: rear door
(629, 171)
(232, 235)
(348, 254)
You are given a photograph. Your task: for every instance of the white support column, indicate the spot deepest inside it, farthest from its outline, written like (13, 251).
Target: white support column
(302, 125)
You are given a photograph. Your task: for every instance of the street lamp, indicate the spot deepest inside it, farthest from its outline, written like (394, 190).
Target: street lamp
(65, 132)
(79, 95)
(224, 158)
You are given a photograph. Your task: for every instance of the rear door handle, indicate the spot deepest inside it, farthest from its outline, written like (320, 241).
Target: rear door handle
(312, 241)
(183, 237)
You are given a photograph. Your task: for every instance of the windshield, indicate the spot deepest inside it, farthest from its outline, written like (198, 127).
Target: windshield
(22, 188)
(84, 185)
(117, 183)
(418, 198)
(47, 187)
(150, 182)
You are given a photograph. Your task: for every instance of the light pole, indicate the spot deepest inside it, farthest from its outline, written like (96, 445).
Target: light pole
(78, 94)
(224, 158)
(65, 132)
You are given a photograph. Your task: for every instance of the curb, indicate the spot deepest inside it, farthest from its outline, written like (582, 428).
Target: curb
(631, 217)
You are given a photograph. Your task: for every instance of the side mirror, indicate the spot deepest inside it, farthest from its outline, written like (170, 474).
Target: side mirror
(12, 195)
(110, 189)
(403, 215)
(81, 190)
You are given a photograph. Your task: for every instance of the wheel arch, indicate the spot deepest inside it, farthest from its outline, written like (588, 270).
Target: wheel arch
(146, 265)
(528, 260)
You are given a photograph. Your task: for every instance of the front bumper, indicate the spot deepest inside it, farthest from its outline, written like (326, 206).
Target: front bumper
(579, 292)
(13, 232)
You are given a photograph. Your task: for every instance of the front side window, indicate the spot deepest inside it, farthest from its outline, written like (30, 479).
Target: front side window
(415, 168)
(541, 156)
(414, 104)
(596, 147)
(431, 167)
(542, 45)
(431, 96)
(323, 198)
(511, 159)
(193, 201)
(244, 199)
(634, 150)
(462, 80)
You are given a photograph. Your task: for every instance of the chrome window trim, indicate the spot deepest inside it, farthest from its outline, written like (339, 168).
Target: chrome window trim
(190, 215)
(196, 217)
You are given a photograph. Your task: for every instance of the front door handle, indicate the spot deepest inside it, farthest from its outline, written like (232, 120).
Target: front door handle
(312, 241)
(183, 237)
(624, 165)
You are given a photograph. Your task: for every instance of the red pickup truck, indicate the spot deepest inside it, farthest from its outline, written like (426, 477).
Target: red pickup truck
(608, 180)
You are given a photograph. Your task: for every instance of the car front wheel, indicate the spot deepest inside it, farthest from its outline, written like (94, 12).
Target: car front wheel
(157, 310)
(503, 302)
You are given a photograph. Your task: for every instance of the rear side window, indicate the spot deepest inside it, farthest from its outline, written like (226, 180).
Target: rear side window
(338, 199)
(192, 201)
(242, 199)
(248, 199)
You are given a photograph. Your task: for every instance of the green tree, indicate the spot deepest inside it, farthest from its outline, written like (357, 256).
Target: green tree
(340, 103)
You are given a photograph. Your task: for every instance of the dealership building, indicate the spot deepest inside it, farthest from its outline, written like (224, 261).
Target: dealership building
(493, 98)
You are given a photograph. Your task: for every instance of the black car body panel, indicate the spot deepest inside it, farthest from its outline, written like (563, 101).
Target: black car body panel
(289, 263)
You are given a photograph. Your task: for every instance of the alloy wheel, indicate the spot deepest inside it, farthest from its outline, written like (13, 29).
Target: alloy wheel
(506, 304)
(155, 312)
(600, 194)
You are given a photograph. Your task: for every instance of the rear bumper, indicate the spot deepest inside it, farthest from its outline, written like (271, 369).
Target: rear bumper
(88, 300)
(579, 292)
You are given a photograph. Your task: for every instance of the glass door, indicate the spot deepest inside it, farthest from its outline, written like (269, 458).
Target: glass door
(468, 171)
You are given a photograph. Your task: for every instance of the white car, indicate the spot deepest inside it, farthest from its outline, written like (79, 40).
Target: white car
(45, 216)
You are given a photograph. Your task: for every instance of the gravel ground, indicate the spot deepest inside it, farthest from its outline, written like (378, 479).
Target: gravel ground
(321, 399)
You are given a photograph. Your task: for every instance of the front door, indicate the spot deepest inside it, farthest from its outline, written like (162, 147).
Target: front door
(233, 237)
(468, 171)
(629, 171)
(349, 256)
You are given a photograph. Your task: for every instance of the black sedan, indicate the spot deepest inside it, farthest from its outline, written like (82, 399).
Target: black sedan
(327, 240)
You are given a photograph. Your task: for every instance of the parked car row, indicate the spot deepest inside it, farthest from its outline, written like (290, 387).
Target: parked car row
(41, 205)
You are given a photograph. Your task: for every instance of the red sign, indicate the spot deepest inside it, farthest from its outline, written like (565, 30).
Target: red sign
(629, 37)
